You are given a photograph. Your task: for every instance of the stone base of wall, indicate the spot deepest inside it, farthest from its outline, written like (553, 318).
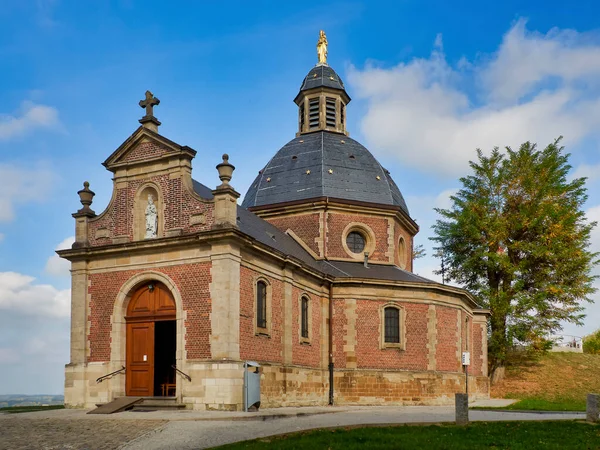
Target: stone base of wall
(381, 387)
(219, 386)
(293, 386)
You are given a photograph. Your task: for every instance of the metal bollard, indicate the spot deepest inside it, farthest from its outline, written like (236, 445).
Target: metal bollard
(593, 408)
(461, 402)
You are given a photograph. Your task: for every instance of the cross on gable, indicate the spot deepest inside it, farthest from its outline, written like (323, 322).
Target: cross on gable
(149, 121)
(149, 103)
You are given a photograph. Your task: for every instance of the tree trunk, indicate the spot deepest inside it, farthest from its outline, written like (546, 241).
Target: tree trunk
(497, 375)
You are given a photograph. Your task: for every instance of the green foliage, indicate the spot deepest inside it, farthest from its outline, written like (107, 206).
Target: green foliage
(514, 435)
(516, 237)
(419, 251)
(591, 343)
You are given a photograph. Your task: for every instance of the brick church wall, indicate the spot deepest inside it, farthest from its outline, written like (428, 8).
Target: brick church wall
(306, 227)
(260, 347)
(144, 150)
(369, 329)
(306, 354)
(477, 356)
(447, 349)
(180, 205)
(336, 223)
(192, 281)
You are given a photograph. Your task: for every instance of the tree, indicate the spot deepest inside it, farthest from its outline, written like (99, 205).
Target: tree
(591, 343)
(419, 251)
(517, 238)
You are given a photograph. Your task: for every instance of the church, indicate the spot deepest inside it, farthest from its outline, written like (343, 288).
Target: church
(176, 286)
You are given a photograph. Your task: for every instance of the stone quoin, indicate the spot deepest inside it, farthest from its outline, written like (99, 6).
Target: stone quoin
(311, 277)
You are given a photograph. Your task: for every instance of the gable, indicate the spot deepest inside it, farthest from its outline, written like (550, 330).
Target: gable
(145, 145)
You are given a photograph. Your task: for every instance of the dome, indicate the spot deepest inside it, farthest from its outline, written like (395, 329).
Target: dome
(322, 76)
(323, 164)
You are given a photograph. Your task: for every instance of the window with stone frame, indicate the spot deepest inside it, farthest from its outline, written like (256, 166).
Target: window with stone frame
(261, 304)
(304, 307)
(392, 325)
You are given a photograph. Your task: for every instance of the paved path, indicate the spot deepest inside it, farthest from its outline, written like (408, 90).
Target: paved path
(73, 429)
(202, 434)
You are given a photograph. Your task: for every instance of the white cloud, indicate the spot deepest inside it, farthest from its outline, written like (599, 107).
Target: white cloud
(22, 185)
(29, 117)
(18, 293)
(593, 215)
(56, 265)
(1, 237)
(432, 115)
(590, 171)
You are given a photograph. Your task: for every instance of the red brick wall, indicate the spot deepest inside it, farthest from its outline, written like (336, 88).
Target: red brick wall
(400, 231)
(305, 354)
(476, 361)
(336, 223)
(340, 323)
(180, 204)
(306, 226)
(260, 348)
(192, 281)
(144, 150)
(447, 329)
(369, 329)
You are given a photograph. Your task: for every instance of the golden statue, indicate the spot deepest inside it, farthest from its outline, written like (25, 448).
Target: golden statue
(322, 48)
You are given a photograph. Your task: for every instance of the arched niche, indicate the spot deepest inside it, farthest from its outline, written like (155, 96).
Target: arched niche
(139, 214)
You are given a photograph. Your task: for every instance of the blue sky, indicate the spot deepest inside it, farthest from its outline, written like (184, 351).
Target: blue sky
(430, 82)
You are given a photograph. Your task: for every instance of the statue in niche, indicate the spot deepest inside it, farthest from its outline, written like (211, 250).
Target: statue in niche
(151, 219)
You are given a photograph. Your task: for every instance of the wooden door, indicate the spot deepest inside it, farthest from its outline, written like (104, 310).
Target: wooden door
(140, 359)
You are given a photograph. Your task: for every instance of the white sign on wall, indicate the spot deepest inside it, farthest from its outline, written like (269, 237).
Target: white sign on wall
(466, 358)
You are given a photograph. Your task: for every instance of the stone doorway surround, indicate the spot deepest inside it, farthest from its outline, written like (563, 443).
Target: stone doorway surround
(118, 334)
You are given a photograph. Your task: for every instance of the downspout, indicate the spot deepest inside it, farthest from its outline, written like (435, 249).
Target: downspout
(331, 343)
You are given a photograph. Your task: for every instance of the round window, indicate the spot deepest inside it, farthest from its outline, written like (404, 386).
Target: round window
(355, 242)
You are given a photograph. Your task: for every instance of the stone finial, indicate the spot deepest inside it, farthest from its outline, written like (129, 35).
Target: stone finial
(225, 171)
(149, 121)
(85, 197)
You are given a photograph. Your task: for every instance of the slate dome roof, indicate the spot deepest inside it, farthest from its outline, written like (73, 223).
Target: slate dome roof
(322, 75)
(323, 164)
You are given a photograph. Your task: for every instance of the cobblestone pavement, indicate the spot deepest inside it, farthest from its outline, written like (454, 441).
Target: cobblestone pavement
(70, 434)
(163, 430)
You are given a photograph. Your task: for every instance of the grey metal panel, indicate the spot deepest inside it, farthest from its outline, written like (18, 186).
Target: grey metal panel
(251, 386)
(354, 176)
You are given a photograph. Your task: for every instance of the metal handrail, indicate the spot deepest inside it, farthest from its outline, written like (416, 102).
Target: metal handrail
(182, 373)
(101, 379)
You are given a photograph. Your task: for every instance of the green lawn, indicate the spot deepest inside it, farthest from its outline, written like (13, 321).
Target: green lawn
(495, 435)
(23, 409)
(549, 404)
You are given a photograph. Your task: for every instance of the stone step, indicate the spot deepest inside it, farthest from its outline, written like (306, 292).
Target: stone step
(158, 403)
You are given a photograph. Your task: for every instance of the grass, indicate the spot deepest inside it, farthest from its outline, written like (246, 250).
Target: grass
(498, 435)
(552, 382)
(24, 409)
(544, 404)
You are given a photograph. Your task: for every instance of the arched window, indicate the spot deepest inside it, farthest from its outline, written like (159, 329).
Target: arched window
(261, 304)
(392, 325)
(304, 317)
